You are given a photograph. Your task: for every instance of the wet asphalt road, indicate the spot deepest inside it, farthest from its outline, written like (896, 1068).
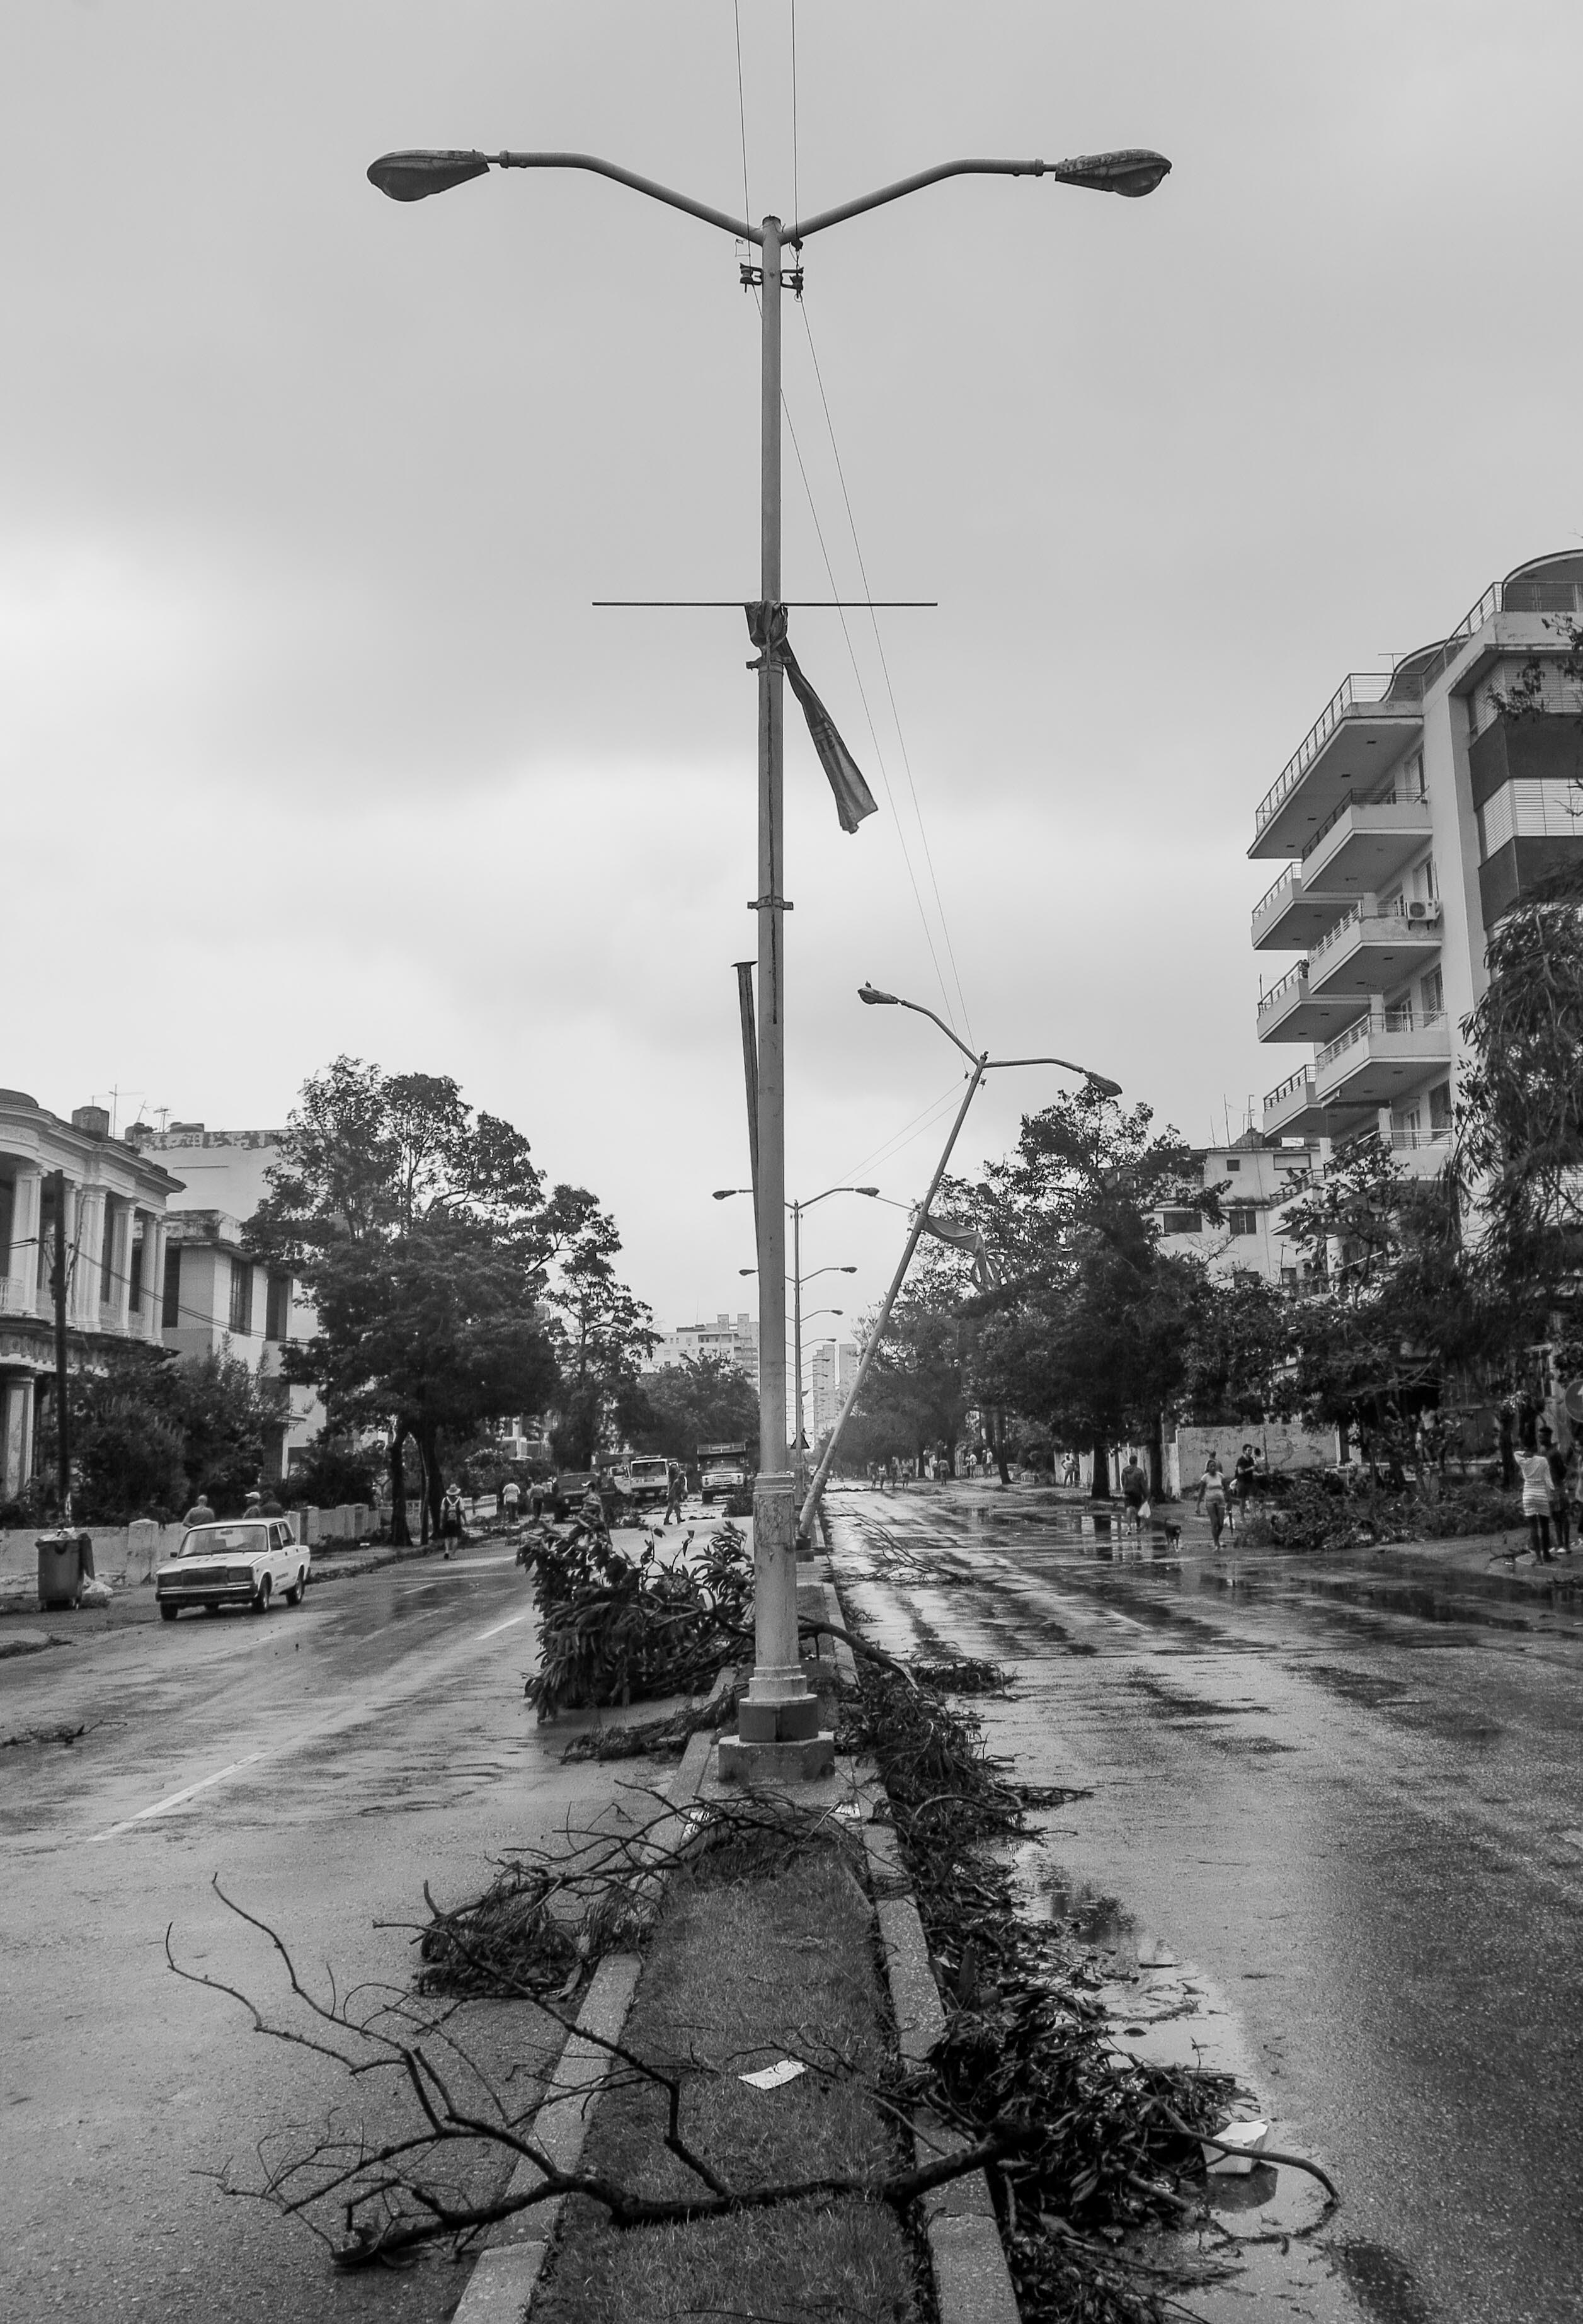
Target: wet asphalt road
(1351, 1790)
(325, 1762)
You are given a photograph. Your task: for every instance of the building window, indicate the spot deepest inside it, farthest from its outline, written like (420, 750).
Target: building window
(135, 1279)
(108, 1258)
(1530, 807)
(1440, 1107)
(1233, 1162)
(1179, 1223)
(1431, 994)
(241, 1298)
(278, 1307)
(1242, 1219)
(170, 1314)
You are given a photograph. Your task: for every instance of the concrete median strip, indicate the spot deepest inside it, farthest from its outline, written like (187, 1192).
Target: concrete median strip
(972, 2284)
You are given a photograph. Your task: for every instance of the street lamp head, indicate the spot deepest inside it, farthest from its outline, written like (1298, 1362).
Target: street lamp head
(846, 1270)
(872, 998)
(874, 1191)
(1103, 1086)
(1133, 172)
(724, 1194)
(410, 176)
(747, 1271)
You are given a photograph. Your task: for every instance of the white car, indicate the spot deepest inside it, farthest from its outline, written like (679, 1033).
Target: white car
(243, 1564)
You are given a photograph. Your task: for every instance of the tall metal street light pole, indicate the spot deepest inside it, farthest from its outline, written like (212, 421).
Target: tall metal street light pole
(723, 1194)
(778, 1708)
(981, 1064)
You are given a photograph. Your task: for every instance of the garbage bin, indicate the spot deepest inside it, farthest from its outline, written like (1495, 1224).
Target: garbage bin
(62, 1564)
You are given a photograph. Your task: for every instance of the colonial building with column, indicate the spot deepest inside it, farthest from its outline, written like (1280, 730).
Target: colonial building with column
(115, 1211)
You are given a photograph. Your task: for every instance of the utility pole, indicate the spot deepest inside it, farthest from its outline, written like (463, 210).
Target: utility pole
(778, 1735)
(62, 1421)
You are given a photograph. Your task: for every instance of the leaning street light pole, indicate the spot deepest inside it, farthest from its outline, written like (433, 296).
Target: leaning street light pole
(778, 1708)
(982, 1063)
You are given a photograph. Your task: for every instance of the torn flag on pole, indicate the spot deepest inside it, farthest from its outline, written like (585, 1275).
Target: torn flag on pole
(854, 799)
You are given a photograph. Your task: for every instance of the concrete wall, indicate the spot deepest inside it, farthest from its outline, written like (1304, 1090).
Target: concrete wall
(126, 1555)
(1287, 1445)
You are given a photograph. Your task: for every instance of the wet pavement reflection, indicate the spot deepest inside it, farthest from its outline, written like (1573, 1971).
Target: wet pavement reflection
(1342, 1797)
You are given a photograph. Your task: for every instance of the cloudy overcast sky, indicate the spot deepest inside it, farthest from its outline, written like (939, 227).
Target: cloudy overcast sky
(311, 741)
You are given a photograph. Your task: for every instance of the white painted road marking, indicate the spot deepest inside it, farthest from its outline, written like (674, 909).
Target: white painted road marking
(175, 1798)
(509, 1623)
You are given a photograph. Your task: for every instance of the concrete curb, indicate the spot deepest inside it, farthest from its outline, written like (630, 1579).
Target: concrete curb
(505, 2279)
(972, 2284)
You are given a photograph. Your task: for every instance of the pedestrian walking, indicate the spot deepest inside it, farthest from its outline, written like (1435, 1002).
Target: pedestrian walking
(1135, 1491)
(1559, 1514)
(1536, 1504)
(1244, 1476)
(674, 1490)
(511, 1498)
(893, 1469)
(1211, 1495)
(453, 1532)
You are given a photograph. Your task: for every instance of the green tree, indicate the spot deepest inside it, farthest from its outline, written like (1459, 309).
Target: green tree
(151, 1431)
(916, 1394)
(702, 1401)
(1088, 1330)
(1389, 1307)
(439, 1264)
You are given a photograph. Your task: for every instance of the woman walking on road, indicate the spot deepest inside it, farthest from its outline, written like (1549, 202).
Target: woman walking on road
(1211, 1489)
(452, 1531)
(1536, 1504)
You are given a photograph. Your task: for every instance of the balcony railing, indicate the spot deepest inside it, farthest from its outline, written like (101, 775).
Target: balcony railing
(1272, 893)
(1296, 980)
(1356, 691)
(1284, 1089)
(1415, 1141)
(1342, 807)
(1402, 1018)
(1361, 914)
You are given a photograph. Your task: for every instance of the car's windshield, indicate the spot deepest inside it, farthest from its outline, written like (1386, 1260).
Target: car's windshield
(651, 1468)
(225, 1541)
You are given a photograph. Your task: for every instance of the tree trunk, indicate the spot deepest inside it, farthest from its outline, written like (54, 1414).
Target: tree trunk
(997, 1446)
(429, 1445)
(401, 1537)
(1099, 1490)
(422, 1492)
(1157, 1462)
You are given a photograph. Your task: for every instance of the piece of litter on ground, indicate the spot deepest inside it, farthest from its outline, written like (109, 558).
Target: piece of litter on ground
(851, 1813)
(770, 2077)
(1245, 2139)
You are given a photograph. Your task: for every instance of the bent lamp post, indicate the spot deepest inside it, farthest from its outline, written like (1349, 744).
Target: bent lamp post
(777, 1720)
(981, 1064)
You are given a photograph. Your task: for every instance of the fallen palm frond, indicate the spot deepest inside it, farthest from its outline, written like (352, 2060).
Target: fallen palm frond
(618, 1629)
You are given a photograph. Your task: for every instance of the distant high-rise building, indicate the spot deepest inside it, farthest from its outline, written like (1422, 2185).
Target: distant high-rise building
(831, 1367)
(735, 1338)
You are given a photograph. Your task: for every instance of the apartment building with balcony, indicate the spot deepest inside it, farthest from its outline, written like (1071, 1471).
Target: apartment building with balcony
(1420, 806)
(117, 1201)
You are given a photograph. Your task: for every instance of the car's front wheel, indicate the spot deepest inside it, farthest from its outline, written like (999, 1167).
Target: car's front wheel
(169, 1613)
(261, 1604)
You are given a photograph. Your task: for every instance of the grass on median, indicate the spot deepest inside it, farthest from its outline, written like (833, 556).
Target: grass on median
(757, 1955)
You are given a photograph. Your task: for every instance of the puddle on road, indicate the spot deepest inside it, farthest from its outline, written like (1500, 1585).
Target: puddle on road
(1165, 2011)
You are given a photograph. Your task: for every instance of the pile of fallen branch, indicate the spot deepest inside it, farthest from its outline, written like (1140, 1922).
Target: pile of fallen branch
(1089, 2144)
(619, 1629)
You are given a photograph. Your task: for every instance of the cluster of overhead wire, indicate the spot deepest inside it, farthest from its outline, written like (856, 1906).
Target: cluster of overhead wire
(910, 830)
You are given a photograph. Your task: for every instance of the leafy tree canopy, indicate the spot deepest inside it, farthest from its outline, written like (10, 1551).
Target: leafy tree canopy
(702, 1401)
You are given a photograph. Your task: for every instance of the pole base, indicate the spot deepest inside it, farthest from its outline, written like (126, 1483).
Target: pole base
(768, 1766)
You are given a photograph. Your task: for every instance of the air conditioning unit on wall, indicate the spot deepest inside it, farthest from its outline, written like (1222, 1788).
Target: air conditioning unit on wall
(1424, 911)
